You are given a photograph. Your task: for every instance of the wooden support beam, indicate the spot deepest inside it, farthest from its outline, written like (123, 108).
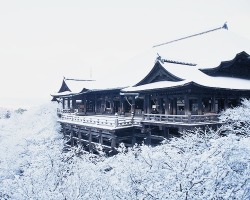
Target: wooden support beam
(200, 105)
(186, 104)
(79, 137)
(90, 141)
(133, 137)
(166, 132)
(71, 136)
(100, 137)
(113, 140)
(166, 100)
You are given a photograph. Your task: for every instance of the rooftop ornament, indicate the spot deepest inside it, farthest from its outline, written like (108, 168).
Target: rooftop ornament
(222, 27)
(159, 58)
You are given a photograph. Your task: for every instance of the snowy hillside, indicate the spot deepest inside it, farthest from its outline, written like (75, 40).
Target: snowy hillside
(200, 165)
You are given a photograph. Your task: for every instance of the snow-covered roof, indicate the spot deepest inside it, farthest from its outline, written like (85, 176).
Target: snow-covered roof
(207, 51)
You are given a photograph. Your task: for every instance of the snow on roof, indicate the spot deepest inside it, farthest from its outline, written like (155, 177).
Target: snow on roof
(60, 94)
(207, 51)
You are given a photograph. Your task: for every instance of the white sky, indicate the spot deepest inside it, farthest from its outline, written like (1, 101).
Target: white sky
(42, 41)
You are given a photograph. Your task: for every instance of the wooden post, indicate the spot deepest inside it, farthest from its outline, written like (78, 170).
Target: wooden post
(200, 105)
(186, 104)
(166, 132)
(166, 100)
(79, 137)
(121, 105)
(113, 141)
(213, 104)
(95, 104)
(175, 106)
(133, 105)
(71, 136)
(226, 103)
(85, 105)
(68, 101)
(133, 137)
(63, 103)
(148, 136)
(100, 137)
(90, 141)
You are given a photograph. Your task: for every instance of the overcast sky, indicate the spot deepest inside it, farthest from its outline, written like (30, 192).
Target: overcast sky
(42, 41)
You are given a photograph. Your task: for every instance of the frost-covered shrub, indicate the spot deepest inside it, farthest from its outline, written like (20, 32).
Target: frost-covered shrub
(237, 120)
(199, 165)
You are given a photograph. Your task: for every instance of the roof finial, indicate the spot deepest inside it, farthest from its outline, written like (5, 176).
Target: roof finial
(223, 27)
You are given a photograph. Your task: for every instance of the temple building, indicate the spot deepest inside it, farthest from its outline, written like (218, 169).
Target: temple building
(189, 79)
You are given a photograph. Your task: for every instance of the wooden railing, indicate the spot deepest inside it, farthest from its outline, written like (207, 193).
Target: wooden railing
(119, 121)
(99, 120)
(181, 118)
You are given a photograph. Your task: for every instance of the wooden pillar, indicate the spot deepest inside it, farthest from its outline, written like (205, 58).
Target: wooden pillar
(226, 103)
(100, 137)
(149, 106)
(186, 105)
(71, 136)
(160, 106)
(213, 104)
(73, 103)
(166, 132)
(113, 141)
(122, 105)
(63, 103)
(79, 137)
(133, 138)
(166, 100)
(200, 105)
(95, 100)
(90, 141)
(112, 105)
(144, 104)
(148, 136)
(68, 103)
(175, 106)
(85, 105)
(103, 105)
(133, 105)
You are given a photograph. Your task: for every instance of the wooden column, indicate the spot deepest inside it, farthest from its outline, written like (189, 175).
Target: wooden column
(71, 136)
(133, 105)
(73, 103)
(113, 141)
(122, 105)
(186, 105)
(199, 105)
(133, 138)
(63, 103)
(175, 106)
(144, 104)
(166, 132)
(95, 104)
(112, 105)
(103, 105)
(226, 103)
(68, 102)
(160, 106)
(85, 105)
(148, 136)
(166, 100)
(90, 141)
(149, 106)
(213, 104)
(79, 137)
(100, 137)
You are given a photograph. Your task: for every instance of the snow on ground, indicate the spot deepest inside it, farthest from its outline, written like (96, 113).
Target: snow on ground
(200, 165)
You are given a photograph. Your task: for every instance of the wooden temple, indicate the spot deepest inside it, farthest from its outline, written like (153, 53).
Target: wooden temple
(173, 96)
